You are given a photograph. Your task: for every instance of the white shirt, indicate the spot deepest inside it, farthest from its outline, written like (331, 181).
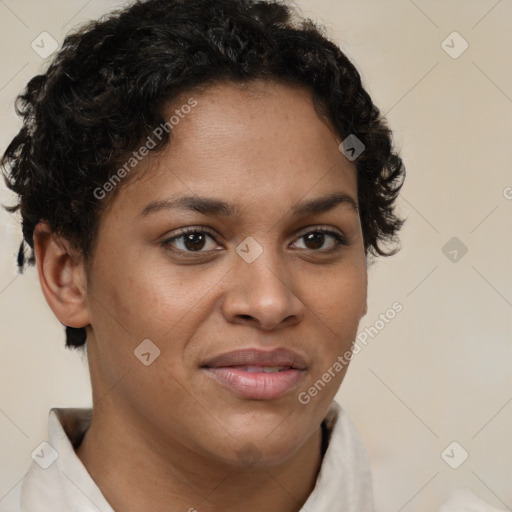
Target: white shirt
(344, 482)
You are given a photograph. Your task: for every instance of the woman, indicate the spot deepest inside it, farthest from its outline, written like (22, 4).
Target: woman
(202, 185)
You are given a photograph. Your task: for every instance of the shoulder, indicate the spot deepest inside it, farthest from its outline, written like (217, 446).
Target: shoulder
(42, 487)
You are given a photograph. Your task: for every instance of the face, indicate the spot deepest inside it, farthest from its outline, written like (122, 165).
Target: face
(255, 302)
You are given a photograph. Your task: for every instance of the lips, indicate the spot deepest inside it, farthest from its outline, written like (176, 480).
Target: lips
(257, 374)
(280, 357)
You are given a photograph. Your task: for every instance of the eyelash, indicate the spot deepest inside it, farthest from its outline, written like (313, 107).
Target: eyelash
(340, 240)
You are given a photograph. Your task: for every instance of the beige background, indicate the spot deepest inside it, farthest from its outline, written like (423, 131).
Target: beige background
(440, 370)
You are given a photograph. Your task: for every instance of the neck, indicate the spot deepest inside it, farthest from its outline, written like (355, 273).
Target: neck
(135, 472)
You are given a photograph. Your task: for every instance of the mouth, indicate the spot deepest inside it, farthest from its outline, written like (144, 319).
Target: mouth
(256, 374)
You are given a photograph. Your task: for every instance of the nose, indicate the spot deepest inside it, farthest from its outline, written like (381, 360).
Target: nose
(262, 294)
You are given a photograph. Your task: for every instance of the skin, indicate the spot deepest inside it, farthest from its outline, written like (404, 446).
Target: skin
(166, 436)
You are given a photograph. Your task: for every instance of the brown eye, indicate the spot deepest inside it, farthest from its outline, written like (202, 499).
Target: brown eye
(190, 240)
(194, 241)
(316, 239)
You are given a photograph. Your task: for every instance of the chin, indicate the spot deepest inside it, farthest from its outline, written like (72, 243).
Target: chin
(264, 447)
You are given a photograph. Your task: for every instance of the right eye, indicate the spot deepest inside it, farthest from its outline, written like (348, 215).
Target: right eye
(190, 240)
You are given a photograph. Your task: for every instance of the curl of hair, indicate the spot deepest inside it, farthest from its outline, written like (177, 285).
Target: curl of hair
(105, 91)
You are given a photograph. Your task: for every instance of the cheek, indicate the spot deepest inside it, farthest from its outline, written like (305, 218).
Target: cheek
(142, 300)
(337, 309)
(341, 299)
(156, 302)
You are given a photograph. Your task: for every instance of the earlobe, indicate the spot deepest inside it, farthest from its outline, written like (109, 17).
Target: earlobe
(62, 277)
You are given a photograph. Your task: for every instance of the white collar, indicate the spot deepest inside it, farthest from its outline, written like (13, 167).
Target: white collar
(343, 483)
(65, 484)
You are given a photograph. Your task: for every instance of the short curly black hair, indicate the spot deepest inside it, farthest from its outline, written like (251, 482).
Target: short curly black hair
(106, 90)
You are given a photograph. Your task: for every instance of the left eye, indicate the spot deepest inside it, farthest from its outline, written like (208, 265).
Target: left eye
(317, 237)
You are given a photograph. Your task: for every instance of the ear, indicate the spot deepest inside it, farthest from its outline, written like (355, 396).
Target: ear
(62, 277)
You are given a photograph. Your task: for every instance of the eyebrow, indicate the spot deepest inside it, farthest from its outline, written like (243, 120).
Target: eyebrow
(216, 207)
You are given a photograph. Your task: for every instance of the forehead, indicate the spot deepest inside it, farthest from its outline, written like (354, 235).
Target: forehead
(260, 111)
(257, 142)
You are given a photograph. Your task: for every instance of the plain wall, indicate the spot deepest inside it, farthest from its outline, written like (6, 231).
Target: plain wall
(440, 370)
